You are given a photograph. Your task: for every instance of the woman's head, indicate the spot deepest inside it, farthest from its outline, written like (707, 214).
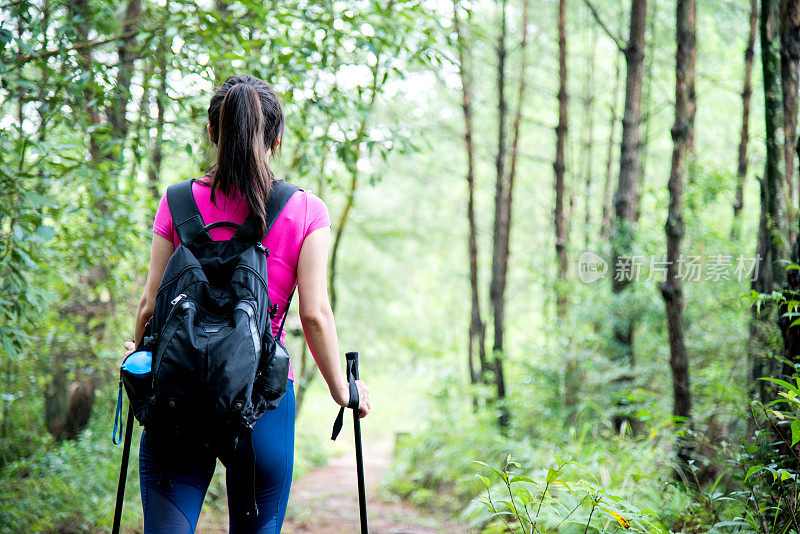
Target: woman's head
(245, 121)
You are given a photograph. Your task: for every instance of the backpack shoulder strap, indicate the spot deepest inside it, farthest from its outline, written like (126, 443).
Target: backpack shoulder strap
(279, 195)
(185, 215)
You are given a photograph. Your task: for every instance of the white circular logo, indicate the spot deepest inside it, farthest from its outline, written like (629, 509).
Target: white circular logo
(591, 267)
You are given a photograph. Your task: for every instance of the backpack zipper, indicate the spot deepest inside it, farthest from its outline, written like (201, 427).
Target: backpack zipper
(169, 282)
(164, 341)
(256, 273)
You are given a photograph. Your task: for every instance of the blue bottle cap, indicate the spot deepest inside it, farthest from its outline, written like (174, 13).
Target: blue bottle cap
(138, 363)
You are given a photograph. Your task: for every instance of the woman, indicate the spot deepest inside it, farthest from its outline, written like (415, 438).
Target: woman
(246, 123)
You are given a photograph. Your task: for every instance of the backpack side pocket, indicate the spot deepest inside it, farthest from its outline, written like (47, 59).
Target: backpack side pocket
(270, 383)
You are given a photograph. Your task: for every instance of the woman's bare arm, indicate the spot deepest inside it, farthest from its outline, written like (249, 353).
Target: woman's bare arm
(316, 315)
(160, 253)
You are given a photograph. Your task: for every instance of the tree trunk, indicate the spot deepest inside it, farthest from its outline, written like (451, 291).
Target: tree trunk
(126, 54)
(559, 216)
(605, 224)
(477, 328)
(161, 98)
(774, 178)
(772, 239)
(588, 143)
(760, 361)
(671, 288)
(340, 226)
(741, 168)
(499, 260)
(307, 372)
(627, 195)
(647, 103)
(141, 127)
(790, 56)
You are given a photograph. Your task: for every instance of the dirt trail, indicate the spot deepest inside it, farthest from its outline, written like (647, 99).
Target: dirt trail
(325, 501)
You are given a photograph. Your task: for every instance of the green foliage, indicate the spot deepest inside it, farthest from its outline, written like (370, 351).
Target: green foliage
(557, 498)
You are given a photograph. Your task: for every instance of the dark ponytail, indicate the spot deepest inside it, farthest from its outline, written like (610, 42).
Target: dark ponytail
(246, 122)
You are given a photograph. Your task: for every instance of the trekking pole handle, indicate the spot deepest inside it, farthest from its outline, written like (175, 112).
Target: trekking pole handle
(353, 357)
(352, 376)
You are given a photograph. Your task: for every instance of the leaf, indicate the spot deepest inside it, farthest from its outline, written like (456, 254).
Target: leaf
(552, 475)
(795, 431)
(621, 520)
(783, 383)
(752, 471)
(522, 478)
(10, 350)
(484, 479)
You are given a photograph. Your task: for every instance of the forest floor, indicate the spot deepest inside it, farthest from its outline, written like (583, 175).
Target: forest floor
(325, 501)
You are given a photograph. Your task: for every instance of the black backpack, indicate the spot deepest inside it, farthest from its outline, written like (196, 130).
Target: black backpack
(216, 365)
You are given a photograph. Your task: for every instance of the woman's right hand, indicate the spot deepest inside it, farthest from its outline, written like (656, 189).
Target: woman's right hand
(342, 397)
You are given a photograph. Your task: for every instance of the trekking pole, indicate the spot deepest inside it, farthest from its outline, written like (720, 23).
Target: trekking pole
(123, 471)
(352, 376)
(126, 447)
(362, 498)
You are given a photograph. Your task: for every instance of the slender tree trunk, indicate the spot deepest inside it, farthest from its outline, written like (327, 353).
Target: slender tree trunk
(605, 224)
(477, 328)
(741, 168)
(790, 57)
(671, 288)
(351, 192)
(80, 8)
(143, 120)
(161, 99)
(339, 232)
(647, 103)
(499, 260)
(627, 194)
(559, 217)
(126, 54)
(588, 143)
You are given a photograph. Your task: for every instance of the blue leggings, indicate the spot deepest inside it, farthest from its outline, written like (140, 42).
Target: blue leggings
(176, 511)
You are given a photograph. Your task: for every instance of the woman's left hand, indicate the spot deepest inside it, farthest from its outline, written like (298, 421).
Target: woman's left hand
(129, 348)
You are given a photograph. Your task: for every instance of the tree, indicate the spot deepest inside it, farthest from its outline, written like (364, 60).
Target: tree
(790, 54)
(559, 216)
(161, 99)
(499, 260)
(477, 328)
(790, 57)
(504, 188)
(772, 246)
(588, 143)
(671, 289)
(741, 168)
(605, 221)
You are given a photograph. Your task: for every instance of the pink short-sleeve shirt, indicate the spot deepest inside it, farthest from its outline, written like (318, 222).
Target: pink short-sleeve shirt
(303, 213)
